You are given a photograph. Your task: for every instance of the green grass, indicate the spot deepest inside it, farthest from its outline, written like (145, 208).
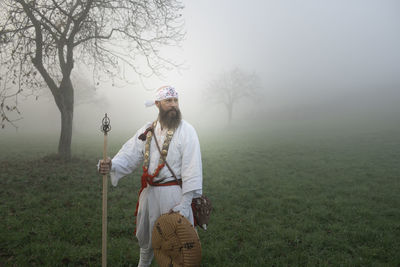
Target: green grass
(299, 197)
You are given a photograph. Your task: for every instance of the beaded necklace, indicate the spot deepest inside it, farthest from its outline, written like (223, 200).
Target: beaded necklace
(163, 156)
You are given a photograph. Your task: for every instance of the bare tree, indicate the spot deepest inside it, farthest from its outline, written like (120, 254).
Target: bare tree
(231, 87)
(42, 40)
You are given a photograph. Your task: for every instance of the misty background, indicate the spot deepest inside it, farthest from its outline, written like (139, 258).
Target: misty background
(317, 61)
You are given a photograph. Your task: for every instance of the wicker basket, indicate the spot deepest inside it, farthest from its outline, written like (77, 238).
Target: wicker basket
(175, 241)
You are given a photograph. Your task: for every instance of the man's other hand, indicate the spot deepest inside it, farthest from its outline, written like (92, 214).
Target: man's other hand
(105, 166)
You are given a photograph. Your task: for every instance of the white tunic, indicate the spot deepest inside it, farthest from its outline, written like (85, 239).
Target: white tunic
(184, 158)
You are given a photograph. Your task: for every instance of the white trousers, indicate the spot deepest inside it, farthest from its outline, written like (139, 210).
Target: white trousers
(153, 202)
(146, 256)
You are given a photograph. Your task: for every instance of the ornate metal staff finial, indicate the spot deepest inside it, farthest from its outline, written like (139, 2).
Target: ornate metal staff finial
(105, 125)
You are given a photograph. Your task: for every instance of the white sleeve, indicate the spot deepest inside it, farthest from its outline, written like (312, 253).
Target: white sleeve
(191, 170)
(127, 159)
(185, 205)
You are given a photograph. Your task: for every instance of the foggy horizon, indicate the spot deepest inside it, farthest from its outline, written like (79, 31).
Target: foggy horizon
(314, 60)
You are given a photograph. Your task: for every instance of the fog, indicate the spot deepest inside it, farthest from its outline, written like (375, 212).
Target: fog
(315, 59)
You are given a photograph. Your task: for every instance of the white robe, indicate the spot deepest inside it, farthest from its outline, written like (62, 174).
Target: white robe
(184, 158)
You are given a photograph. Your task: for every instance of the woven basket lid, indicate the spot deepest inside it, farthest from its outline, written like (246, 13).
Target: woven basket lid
(175, 241)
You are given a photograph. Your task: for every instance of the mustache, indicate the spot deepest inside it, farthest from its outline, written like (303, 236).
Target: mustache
(173, 109)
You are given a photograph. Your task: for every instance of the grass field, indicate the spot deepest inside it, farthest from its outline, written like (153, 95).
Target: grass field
(294, 196)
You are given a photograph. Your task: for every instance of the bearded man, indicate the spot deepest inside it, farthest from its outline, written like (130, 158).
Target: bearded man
(160, 192)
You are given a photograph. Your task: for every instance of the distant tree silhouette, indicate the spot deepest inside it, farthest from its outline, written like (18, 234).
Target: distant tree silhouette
(231, 87)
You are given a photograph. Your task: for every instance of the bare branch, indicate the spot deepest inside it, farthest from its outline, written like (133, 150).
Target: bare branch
(52, 36)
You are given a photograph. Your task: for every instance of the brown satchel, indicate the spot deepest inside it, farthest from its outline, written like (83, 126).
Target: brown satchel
(201, 206)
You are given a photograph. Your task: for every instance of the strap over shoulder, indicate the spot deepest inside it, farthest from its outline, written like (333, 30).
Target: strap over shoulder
(143, 136)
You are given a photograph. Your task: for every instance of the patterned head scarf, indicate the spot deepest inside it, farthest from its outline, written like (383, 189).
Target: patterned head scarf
(162, 93)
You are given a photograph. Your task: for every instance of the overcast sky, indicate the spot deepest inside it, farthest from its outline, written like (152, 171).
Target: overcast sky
(308, 46)
(305, 52)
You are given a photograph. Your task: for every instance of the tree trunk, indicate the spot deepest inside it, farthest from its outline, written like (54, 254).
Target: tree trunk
(64, 144)
(67, 114)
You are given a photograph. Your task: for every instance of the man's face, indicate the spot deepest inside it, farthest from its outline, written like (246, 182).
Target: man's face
(169, 106)
(169, 112)
(168, 103)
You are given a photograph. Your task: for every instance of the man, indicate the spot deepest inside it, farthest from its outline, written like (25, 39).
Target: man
(161, 192)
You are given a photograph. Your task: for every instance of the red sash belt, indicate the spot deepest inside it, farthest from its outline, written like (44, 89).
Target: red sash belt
(148, 179)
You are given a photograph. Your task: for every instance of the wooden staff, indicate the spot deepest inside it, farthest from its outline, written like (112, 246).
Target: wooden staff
(105, 128)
